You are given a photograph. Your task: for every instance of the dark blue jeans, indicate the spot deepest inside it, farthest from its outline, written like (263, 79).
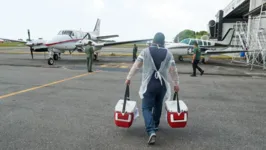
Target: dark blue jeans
(152, 107)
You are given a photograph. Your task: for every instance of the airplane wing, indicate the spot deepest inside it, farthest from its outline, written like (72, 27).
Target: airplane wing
(13, 40)
(122, 42)
(106, 37)
(222, 52)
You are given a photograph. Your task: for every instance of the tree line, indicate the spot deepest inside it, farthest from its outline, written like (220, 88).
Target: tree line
(190, 34)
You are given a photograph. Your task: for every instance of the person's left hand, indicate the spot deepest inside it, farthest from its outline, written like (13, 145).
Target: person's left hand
(192, 61)
(127, 82)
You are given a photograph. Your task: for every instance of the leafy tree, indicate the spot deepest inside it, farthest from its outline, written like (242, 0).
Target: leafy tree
(189, 34)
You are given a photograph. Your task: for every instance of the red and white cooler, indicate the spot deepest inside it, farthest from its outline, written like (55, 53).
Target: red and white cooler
(176, 112)
(125, 111)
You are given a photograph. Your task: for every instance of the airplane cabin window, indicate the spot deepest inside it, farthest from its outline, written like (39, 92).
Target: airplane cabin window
(192, 42)
(199, 42)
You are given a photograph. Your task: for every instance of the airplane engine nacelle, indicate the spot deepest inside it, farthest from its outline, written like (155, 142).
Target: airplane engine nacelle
(84, 42)
(94, 38)
(96, 48)
(212, 26)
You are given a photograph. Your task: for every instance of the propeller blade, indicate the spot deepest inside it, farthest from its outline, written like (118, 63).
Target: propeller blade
(85, 36)
(29, 35)
(31, 52)
(31, 49)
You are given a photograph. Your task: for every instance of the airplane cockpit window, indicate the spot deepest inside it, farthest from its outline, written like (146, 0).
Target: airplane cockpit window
(205, 43)
(209, 43)
(185, 41)
(66, 32)
(60, 32)
(192, 42)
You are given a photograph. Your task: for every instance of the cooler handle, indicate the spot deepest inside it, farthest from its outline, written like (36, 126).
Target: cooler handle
(177, 99)
(126, 97)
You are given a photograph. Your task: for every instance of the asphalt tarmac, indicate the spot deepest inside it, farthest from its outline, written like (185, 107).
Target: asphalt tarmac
(63, 107)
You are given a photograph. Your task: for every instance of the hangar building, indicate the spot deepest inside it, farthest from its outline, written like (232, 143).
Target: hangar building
(248, 18)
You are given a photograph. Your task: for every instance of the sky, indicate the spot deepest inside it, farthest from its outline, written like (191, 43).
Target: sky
(130, 19)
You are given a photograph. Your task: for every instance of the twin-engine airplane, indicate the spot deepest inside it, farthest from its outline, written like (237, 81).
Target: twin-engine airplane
(71, 40)
(208, 47)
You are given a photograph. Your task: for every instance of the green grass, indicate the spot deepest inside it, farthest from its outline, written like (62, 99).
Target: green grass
(12, 44)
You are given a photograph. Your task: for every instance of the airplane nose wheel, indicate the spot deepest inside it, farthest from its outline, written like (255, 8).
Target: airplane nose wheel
(180, 58)
(50, 61)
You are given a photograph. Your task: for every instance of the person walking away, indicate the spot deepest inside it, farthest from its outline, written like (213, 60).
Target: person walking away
(195, 60)
(156, 62)
(89, 52)
(135, 50)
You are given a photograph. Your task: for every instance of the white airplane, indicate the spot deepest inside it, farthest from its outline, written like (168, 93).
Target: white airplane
(208, 47)
(72, 40)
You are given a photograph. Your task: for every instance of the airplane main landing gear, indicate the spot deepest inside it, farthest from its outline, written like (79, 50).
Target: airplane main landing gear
(95, 56)
(55, 56)
(203, 61)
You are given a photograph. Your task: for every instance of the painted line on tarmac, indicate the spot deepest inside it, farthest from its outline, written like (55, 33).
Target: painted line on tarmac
(45, 85)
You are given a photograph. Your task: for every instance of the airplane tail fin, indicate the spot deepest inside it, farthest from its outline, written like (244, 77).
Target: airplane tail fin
(96, 30)
(227, 39)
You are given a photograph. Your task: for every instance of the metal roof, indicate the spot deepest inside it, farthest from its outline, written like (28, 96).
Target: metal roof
(238, 9)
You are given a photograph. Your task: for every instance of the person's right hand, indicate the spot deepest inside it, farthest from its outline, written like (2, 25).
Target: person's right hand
(127, 82)
(176, 88)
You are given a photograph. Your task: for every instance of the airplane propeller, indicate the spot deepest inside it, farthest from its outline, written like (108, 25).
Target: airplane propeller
(31, 49)
(71, 51)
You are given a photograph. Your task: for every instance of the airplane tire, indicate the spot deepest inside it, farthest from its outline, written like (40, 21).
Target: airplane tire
(95, 56)
(50, 61)
(180, 58)
(56, 57)
(203, 60)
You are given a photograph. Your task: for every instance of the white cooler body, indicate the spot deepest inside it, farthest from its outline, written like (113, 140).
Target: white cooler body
(125, 119)
(176, 119)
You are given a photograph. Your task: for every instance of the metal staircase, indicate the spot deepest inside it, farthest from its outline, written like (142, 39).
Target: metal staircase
(254, 42)
(240, 40)
(257, 40)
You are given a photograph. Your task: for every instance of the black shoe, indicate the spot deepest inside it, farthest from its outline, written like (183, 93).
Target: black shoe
(202, 72)
(193, 75)
(90, 71)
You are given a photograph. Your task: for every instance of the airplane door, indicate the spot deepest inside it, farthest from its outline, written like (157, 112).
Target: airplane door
(75, 35)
